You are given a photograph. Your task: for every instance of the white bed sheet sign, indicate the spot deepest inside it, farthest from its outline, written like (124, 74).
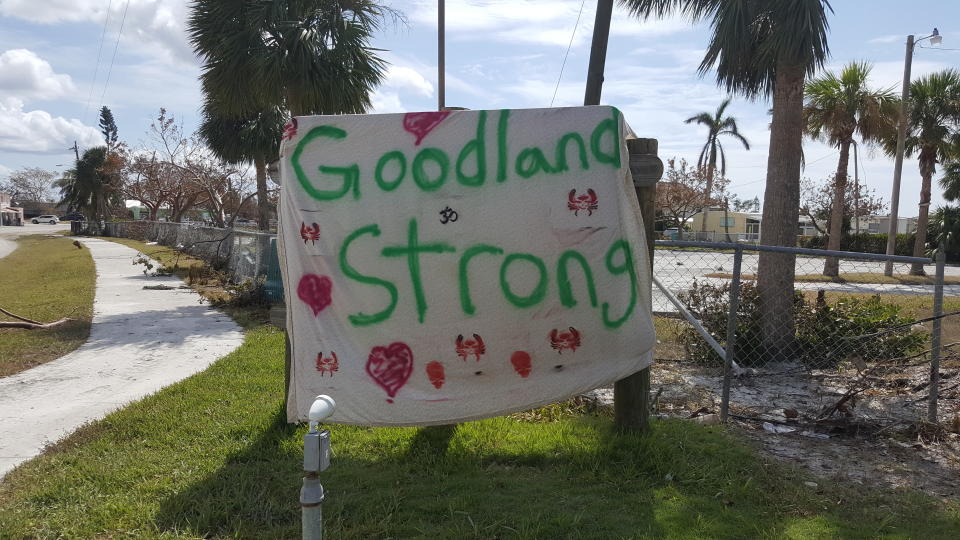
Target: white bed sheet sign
(448, 266)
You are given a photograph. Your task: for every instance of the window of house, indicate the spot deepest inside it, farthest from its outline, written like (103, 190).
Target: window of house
(727, 222)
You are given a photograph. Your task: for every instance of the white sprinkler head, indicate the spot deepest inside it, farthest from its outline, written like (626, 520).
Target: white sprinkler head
(321, 409)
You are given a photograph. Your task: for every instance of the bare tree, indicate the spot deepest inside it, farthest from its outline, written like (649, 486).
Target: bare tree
(817, 200)
(29, 184)
(681, 193)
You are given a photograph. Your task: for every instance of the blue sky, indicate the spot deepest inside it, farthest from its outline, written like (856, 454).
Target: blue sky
(500, 53)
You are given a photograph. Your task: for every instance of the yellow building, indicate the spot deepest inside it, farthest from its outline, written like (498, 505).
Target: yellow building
(725, 226)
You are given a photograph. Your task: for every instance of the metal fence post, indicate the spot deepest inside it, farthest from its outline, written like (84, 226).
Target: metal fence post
(731, 332)
(935, 338)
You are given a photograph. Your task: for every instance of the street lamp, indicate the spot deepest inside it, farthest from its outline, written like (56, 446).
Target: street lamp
(935, 38)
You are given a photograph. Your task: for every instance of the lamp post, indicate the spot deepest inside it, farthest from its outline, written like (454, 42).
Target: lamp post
(935, 39)
(316, 459)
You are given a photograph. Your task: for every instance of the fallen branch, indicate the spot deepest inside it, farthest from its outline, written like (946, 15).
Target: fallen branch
(34, 325)
(24, 319)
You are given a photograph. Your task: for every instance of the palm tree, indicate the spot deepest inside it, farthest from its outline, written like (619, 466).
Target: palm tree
(839, 108)
(765, 48)
(91, 186)
(717, 125)
(242, 140)
(950, 181)
(933, 127)
(302, 56)
(945, 229)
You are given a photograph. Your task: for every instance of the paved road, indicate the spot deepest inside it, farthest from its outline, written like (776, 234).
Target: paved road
(141, 340)
(678, 269)
(9, 234)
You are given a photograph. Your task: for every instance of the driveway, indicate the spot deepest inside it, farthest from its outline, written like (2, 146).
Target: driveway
(141, 340)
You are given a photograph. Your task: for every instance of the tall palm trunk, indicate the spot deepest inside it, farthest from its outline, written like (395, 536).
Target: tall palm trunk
(927, 169)
(709, 190)
(263, 204)
(831, 267)
(780, 215)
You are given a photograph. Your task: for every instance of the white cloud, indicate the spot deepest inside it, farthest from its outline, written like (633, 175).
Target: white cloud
(409, 79)
(25, 75)
(542, 22)
(39, 131)
(151, 27)
(893, 38)
(386, 102)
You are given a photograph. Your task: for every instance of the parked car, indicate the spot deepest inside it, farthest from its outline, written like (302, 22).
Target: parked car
(75, 216)
(53, 220)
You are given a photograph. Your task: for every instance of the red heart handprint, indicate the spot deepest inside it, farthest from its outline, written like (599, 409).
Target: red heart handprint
(422, 123)
(390, 367)
(315, 291)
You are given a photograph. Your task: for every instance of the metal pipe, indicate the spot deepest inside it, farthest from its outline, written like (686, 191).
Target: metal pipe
(694, 322)
(935, 338)
(729, 358)
(311, 508)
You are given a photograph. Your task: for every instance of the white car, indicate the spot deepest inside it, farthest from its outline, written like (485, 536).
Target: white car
(53, 220)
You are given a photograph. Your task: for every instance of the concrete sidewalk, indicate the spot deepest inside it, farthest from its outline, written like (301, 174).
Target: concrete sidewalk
(6, 247)
(141, 340)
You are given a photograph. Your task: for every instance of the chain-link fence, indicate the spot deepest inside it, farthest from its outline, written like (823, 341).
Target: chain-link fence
(244, 254)
(836, 342)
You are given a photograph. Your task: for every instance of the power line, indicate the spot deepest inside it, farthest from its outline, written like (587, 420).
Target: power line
(564, 64)
(831, 154)
(937, 48)
(114, 57)
(96, 68)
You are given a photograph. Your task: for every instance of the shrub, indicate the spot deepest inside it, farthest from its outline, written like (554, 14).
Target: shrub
(826, 334)
(863, 243)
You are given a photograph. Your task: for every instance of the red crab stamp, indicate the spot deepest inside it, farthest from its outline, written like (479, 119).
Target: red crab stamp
(586, 202)
(330, 364)
(567, 340)
(470, 347)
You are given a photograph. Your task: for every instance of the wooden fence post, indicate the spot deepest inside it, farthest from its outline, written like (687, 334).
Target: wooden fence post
(631, 395)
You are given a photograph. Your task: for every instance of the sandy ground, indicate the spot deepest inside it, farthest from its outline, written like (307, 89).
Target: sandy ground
(141, 341)
(678, 269)
(878, 441)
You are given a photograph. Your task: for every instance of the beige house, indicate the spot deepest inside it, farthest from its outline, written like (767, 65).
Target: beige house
(881, 224)
(8, 214)
(726, 226)
(740, 226)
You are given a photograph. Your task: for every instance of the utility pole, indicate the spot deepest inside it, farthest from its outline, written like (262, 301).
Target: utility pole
(631, 395)
(598, 52)
(898, 164)
(441, 54)
(76, 150)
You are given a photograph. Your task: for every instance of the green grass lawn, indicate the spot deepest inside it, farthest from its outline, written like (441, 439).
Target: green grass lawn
(45, 279)
(211, 457)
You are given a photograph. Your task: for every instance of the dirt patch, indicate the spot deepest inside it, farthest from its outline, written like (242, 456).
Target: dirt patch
(876, 436)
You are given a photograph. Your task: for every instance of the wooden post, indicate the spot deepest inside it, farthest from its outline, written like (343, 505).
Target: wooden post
(631, 395)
